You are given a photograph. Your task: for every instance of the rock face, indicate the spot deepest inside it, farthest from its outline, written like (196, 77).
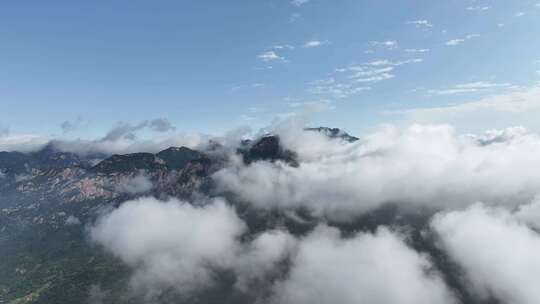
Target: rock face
(267, 148)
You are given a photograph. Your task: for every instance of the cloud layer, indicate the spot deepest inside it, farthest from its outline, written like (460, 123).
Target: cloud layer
(419, 166)
(367, 268)
(498, 253)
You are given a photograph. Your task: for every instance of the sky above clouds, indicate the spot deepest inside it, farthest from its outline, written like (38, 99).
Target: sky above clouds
(77, 69)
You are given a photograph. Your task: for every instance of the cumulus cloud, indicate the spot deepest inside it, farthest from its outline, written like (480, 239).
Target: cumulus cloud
(183, 246)
(139, 183)
(179, 246)
(498, 253)
(421, 165)
(366, 268)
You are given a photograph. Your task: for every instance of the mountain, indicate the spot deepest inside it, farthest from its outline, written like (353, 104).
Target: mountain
(334, 133)
(48, 199)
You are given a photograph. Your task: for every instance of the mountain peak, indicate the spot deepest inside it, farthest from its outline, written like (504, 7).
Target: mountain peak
(334, 133)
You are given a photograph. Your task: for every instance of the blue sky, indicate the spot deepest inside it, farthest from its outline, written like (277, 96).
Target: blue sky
(210, 66)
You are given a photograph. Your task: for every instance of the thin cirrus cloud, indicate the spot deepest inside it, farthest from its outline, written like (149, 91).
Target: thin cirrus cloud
(513, 103)
(478, 8)
(458, 41)
(269, 56)
(420, 23)
(336, 89)
(387, 44)
(416, 50)
(470, 87)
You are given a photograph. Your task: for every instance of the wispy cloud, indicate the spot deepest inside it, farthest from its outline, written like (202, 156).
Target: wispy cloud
(336, 89)
(478, 8)
(420, 23)
(458, 41)
(519, 14)
(455, 42)
(375, 71)
(469, 88)
(384, 62)
(284, 47)
(269, 56)
(388, 44)
(315, 43)
(416, 50)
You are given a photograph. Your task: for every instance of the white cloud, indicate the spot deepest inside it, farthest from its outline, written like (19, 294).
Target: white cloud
(529, 213)
(519, 14)
(420, 23)
(371, 72)
(334, 89)
(315, 43)
(469, 88)
(455, 42)
(428, 166)
(171, 244)
(386, 62)
(515, 101)
(269, 56)
(388, 44)
(360, 269)
(416, 50)
(375, 78)
(499, 255)
(478, 8)
(284, 47)
(458, 41)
